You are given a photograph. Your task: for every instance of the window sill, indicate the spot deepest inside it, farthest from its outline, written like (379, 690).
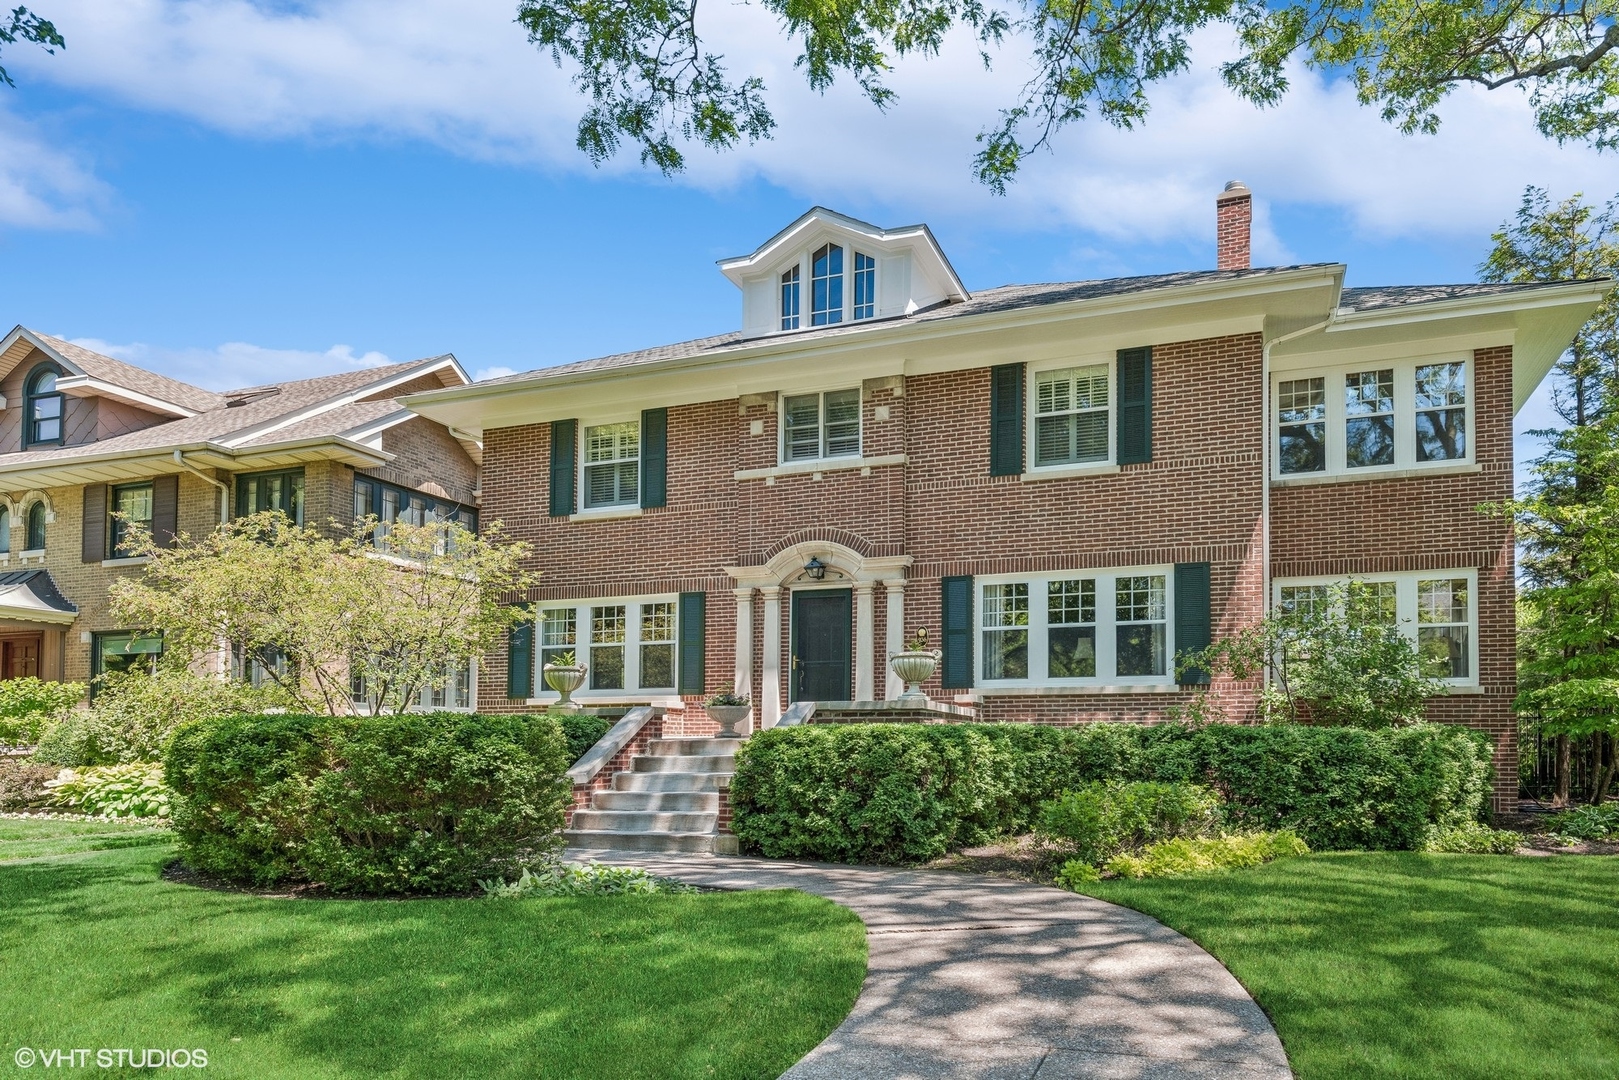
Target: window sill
(1459, 689)
(662, 701)
(136, 560)
(799, 468)
(35, 553)
(1062, 691)
(1065, 472)
(1459, 469)
(606, 513)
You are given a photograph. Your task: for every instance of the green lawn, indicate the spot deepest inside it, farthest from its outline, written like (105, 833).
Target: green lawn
(32, 838)
(101, 952)
(1383, 965)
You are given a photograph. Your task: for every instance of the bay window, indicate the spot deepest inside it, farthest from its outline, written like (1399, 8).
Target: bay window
(1082, 627)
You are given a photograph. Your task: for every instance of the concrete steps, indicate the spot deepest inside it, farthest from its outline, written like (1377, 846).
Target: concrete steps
(668, 800)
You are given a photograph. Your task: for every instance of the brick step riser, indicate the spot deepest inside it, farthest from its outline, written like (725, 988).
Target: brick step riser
(644, 821)
(581, 838)
(692, 747)
(686, 801)
(652, 781)
(711, 764)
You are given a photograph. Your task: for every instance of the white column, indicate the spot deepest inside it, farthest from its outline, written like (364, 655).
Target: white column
(743, 683)
(865, 631)
(770, 692)
(895, 589)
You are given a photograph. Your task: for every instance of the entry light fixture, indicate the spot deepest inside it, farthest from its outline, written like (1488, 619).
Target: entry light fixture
(815, 568)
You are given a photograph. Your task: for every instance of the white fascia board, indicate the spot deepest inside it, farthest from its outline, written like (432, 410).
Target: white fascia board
(873, 351)
(447, 361)
(82, 386)
(159, 461)
(22, 333)
(366, 432)
(738, 267)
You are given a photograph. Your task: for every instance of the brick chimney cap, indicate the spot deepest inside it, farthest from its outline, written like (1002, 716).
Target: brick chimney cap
(1234, 189)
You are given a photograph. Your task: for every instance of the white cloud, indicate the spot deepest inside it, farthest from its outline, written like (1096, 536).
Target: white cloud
(41, 185)
(460, 74)
(492, 373)
(236, 364)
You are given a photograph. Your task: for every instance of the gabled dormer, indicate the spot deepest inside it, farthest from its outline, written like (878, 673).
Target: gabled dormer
(827, 269)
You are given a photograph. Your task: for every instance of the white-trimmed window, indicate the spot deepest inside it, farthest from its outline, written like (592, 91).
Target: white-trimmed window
(826, 285)
(1078, 627)
(1072, 419)
(454, 696)
(1436, 609)
(627, 643)
(1388, 415)
(612, 465)
(789, 299)
(824, 425)
(865, 286)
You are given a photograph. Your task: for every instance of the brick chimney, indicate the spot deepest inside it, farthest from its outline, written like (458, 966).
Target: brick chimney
(1233, 217)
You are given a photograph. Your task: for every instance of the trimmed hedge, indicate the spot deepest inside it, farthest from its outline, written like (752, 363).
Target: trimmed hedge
(897, 793)
(420, 803)
(582, 731)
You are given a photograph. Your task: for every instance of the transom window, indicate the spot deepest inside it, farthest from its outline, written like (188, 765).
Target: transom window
(613, 465)
(132, 505)
(1399, 415)
(865, 286)
(826, 285)
(1434, 609)
(283, 491)
(627, 645)
(42, 407)
(825, 425)
(1098, 627)
(789, 299)
(1071, 416)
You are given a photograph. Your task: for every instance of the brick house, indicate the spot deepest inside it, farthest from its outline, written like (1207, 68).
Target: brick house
(1066, 484)
(87, 441)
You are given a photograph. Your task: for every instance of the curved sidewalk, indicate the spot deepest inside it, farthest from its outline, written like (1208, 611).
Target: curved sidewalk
(972, 976)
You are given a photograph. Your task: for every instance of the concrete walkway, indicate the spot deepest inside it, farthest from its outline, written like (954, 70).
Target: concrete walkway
(972, 976)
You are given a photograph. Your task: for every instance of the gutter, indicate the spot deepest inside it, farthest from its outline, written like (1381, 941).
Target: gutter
(224, 489)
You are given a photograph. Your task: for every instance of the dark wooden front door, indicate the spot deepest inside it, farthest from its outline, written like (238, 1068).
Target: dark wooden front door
(19, 657)
(821, 641)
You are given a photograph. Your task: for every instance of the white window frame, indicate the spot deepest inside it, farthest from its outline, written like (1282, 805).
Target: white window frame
(1106, 628)
(1405, 417)
(876, 276)
(582, 646)
(820, 426)
(425, 697)
(582, 487)
(1405, 604)
(1031, 416)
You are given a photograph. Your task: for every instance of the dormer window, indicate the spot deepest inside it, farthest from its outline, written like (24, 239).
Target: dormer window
(865, 286)
(789, 299)
(826, 281)
(42, 407)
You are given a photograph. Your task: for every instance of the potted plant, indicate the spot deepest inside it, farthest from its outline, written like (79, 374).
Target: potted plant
(914, 666)
(564, 674)
(728, 710)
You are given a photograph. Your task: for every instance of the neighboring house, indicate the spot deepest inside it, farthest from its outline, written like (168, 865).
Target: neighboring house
(1065, 484)
(88, 442)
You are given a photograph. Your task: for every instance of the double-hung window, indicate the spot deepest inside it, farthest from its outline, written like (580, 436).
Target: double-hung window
(42, 407)
(1082, 627)
(824, 425)
(628, 645)
(1071, 420)
(131, 505)
(1392, 415)
(1435, 609)
(613, 465)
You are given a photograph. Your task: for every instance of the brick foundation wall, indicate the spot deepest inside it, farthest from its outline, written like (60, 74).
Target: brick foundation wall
(619, 762)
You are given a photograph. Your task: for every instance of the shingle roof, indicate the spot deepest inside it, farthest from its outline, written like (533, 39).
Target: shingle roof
(339, 421)
(150, 383)
(1387, 296)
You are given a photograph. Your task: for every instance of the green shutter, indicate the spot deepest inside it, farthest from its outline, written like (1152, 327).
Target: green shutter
(692, 605)
(1192, 616)
(564, 438)
(1006, 420)
(655, 457)
(520, 659)
(956, 613)
(1135, 406)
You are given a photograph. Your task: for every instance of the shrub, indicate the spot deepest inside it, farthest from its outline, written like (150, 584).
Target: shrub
(1101, 819)
(1474, 838)
(903, 792)
(589, 879)
(582, 731)
(22, 785)
(28, 706)
(138, 711)
(1588, 822)
(1202, 855)
(80, 738)
(131, 790)
(422, 802)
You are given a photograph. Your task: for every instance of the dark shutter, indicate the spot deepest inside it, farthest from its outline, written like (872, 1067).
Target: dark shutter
(1192, 616)
(655, 457)
(956, 613)
(692, 672)
(520, 659)
(95, 523)
(564, 438)
(1135, 406)
(165, 510)
(1006, 420)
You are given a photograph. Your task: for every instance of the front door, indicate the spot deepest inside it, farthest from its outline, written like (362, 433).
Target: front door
(821, 641)
(19, 657)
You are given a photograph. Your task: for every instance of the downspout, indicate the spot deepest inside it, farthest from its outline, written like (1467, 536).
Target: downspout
(224, 489)
(1266, 447)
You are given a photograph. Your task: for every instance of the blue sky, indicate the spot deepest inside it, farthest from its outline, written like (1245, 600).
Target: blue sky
(235, 192)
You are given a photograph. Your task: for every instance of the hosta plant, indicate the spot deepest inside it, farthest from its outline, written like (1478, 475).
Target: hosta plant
(132, 790)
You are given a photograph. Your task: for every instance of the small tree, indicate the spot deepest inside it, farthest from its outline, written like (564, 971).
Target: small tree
(317, 609)
(1336, 660)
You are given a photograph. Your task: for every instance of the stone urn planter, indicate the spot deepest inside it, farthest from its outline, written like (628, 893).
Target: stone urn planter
(565, 679)
(728, 717)
(914, 667)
